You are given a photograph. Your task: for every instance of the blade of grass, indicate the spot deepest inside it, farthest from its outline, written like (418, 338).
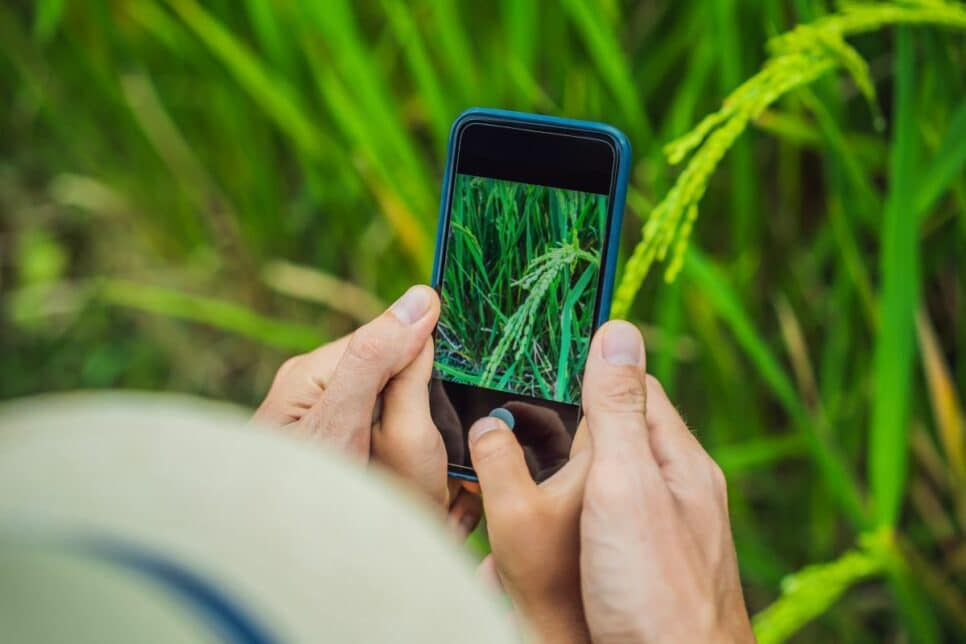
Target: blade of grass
(946, 407)
(895, 340)
(47, 17)
(314, 285)
(439, 112)
(605, 49)
(271, 93)
(563, 373)
(457, 54)
(742, 458)
(744, 185)
(269, 31)
(213, 312)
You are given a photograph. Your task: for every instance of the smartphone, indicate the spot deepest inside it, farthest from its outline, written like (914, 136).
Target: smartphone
(526, 248)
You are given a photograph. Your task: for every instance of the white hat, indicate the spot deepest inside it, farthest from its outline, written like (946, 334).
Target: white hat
(141, 517)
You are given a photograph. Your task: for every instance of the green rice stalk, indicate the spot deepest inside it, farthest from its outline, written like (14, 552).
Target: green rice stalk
(809, 592)
(798, 58)
(540, 275)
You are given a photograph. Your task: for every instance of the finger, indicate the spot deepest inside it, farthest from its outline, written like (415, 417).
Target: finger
(406, 440)
(375, 353)
(671, 440)
(500, 465)
(581, 438)
(692, 476)
(615, 396)
(299, 384)
(320, 364)
(569, 480)
(464, 514)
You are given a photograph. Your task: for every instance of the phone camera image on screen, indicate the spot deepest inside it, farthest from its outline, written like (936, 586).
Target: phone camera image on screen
(521, 270)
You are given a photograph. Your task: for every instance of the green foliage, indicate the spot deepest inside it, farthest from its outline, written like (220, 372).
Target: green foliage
(797, 58)
(518, 287)
(190, 191)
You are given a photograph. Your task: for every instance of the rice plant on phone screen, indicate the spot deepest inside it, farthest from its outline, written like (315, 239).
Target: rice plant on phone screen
(519, 287)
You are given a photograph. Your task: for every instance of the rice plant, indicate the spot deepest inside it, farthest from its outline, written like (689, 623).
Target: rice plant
(519, 287)
(190, 191)
(798, 58)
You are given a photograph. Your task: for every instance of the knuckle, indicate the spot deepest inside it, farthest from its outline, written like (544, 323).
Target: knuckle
(494, 446)
(719, 483)
(287, 368)
(609, 488)
(625, 395)
(518, 511)
(365, 347)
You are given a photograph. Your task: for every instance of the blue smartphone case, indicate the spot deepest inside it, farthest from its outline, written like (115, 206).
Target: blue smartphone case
(622, 149)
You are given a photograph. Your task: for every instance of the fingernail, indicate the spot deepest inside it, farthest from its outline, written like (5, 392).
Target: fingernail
(622, 344)
(504, 415)
(482, 426)
(412, 305)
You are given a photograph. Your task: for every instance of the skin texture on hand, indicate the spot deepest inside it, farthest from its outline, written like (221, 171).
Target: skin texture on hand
(657, 560)
(367, 395)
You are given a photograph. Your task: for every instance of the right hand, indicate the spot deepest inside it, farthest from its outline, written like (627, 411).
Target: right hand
(631, 538)
(657, 561)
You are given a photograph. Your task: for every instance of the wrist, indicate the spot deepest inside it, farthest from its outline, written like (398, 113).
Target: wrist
(553, 622)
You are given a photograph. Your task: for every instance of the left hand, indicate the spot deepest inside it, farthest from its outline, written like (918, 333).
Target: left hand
(367, 395)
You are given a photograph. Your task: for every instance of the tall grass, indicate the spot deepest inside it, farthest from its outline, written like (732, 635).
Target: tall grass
(189, 191)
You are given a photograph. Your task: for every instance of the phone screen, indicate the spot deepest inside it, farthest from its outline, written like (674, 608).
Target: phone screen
(524, 243)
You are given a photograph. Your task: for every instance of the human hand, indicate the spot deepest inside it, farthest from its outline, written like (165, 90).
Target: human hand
(335, 392)
(657, 561)
(533, 530)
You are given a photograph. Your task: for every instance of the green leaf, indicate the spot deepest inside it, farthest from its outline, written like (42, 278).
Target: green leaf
(275, 97)
(47, 17)
(213, 312)
(604, 46)
(899, 296)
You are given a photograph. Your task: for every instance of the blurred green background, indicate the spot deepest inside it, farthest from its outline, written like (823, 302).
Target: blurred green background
(190, 192)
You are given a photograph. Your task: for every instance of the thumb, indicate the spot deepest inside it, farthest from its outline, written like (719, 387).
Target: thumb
(375, 353)
(615, 394)
(500, 465)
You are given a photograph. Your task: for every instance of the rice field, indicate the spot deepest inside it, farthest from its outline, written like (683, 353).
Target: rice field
(190, 192)
(519, 287)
